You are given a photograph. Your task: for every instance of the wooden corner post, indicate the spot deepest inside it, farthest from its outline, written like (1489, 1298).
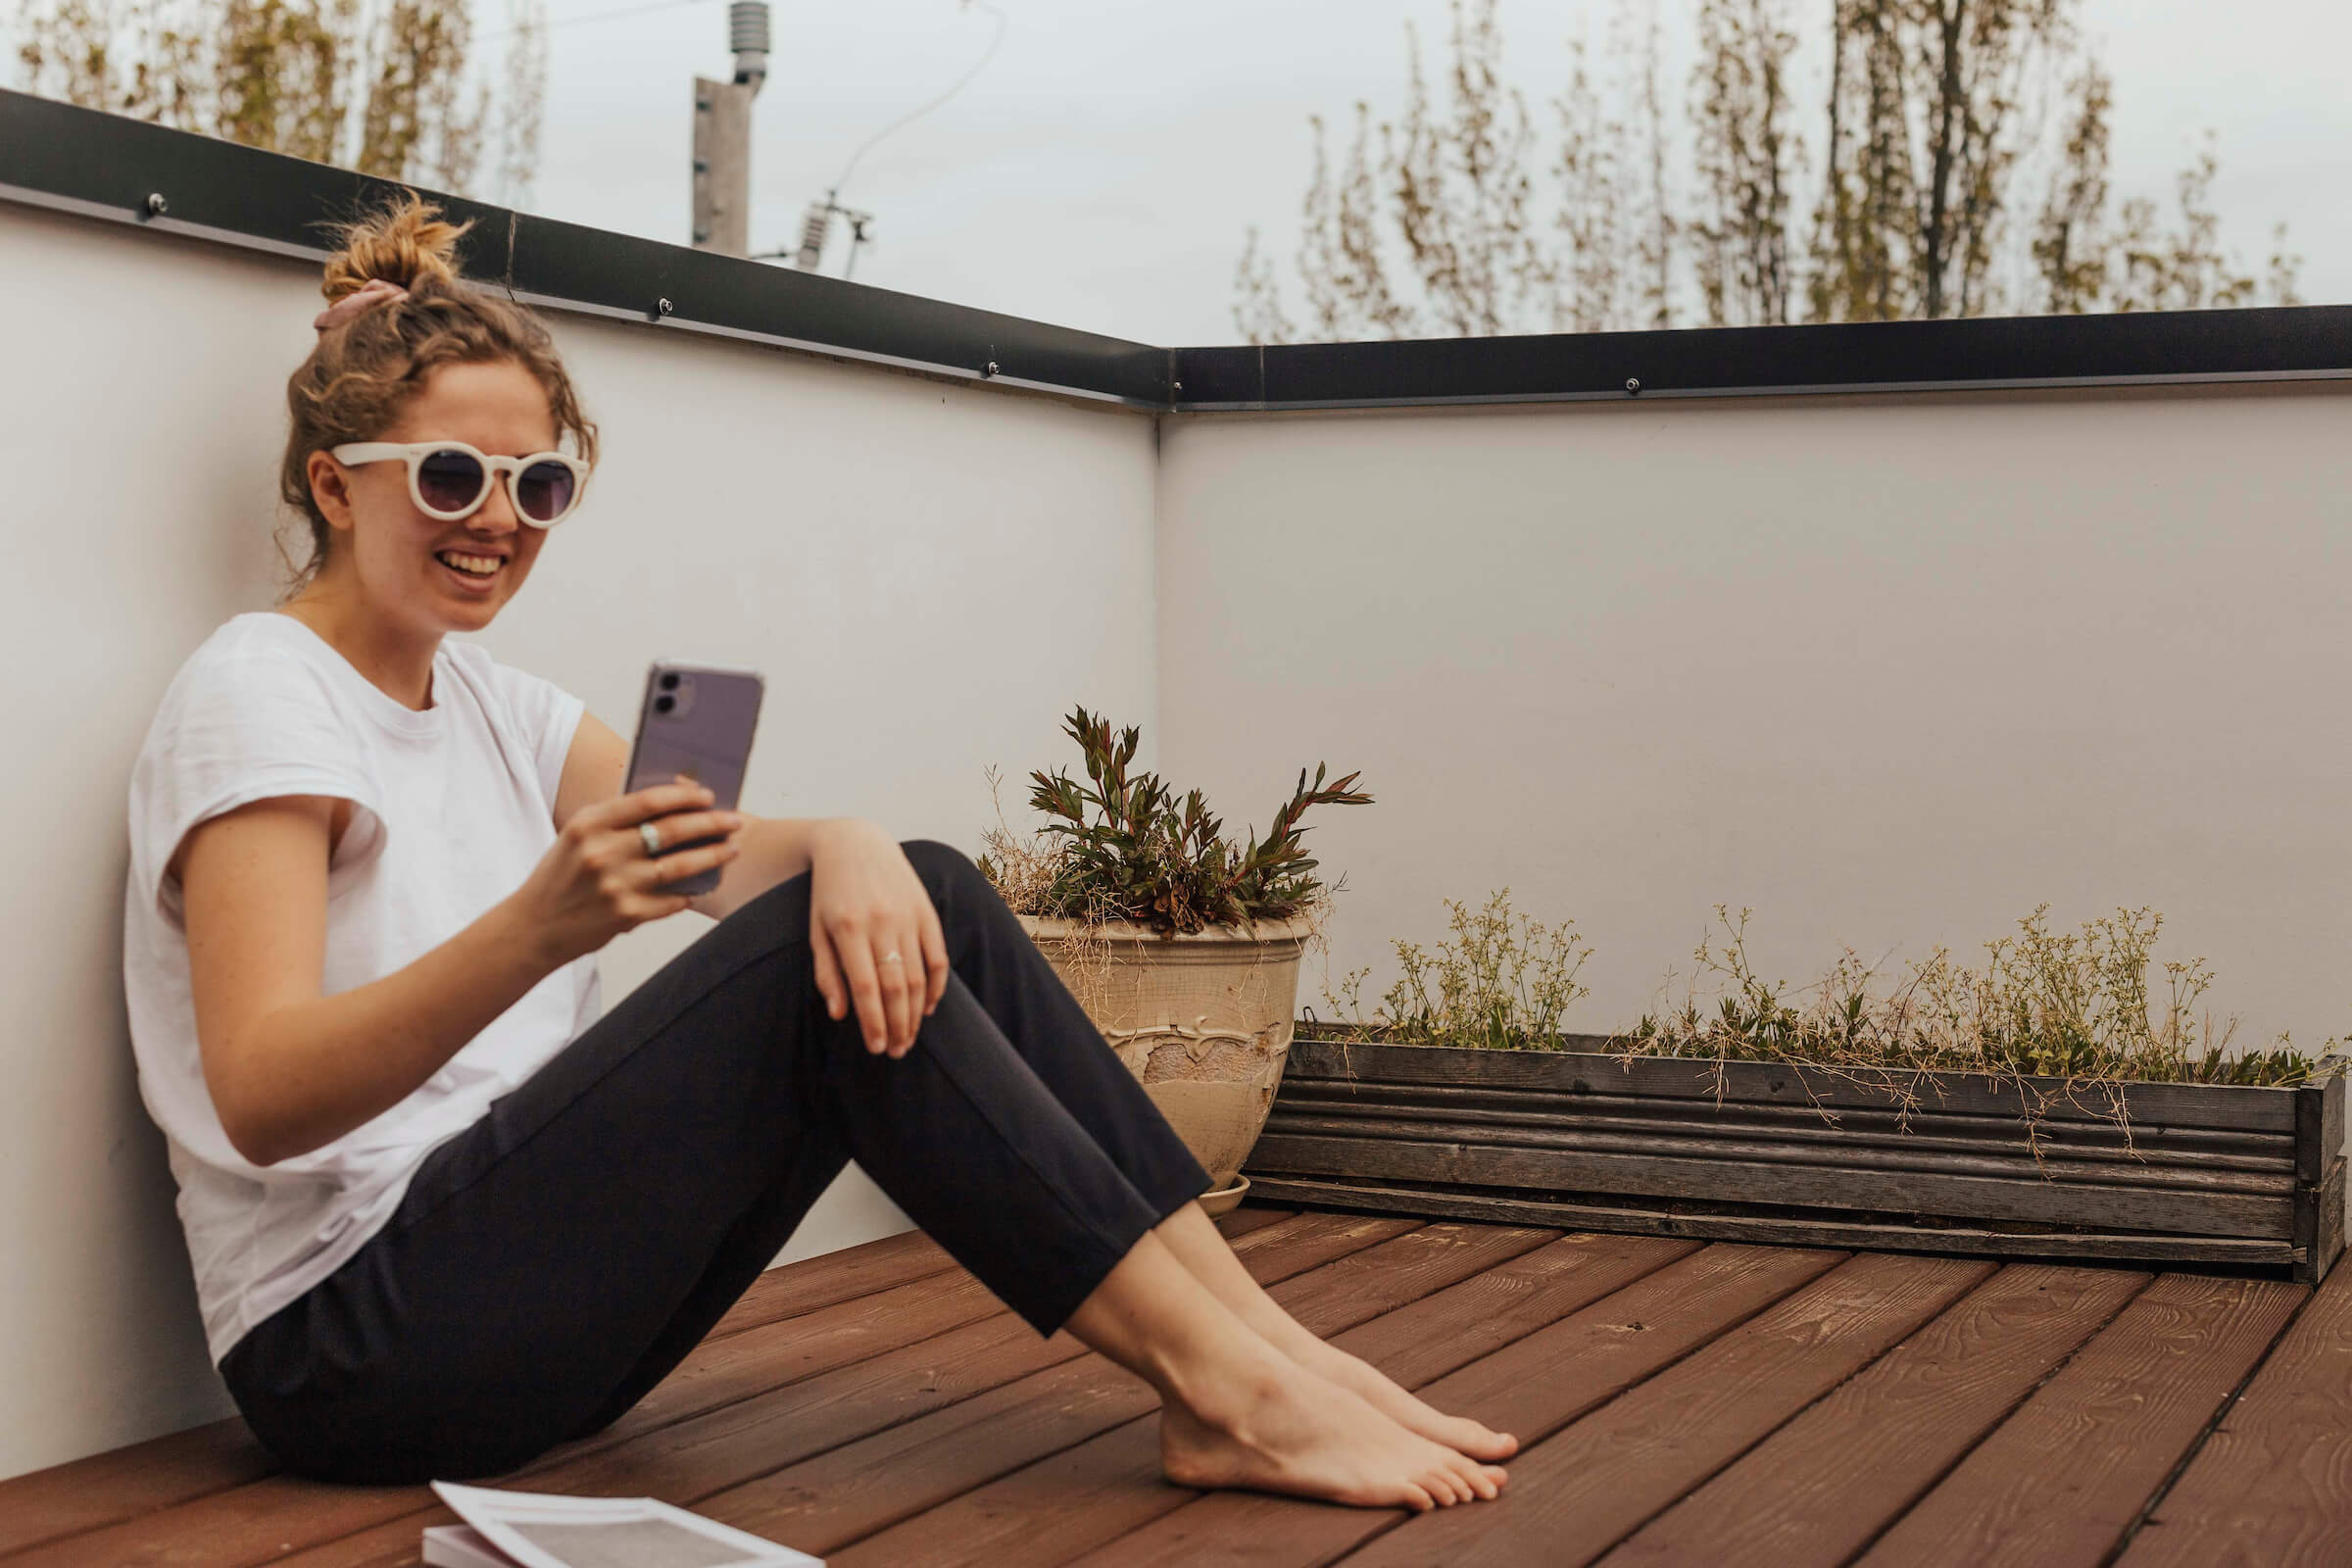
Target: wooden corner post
(2319, 1179)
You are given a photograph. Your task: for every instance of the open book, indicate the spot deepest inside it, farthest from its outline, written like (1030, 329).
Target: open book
(535, 1530)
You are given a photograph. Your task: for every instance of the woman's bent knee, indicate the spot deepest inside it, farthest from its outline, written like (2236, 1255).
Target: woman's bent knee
(941, 864)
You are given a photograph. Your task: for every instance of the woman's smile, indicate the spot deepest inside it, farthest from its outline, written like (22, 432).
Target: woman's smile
(475, 572)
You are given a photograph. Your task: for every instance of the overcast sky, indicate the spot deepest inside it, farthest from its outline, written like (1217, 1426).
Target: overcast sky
(1101, 172)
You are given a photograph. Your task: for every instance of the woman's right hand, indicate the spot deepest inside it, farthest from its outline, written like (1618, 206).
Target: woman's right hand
(596, 880)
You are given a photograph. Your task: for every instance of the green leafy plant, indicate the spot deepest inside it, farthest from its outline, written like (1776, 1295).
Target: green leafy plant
(1122, 846)
(1500, 980)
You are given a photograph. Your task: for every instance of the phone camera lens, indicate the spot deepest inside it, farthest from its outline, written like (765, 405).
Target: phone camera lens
(669, 683)
(662, 705)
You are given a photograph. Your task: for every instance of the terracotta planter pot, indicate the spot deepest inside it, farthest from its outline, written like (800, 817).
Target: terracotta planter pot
(1203, 1021)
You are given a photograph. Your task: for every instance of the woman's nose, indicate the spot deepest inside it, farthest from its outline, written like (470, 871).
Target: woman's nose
(496, 516)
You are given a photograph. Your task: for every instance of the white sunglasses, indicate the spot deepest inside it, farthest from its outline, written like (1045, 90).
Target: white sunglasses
(450, 480)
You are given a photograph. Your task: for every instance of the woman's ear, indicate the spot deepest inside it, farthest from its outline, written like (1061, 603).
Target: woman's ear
(331, 490)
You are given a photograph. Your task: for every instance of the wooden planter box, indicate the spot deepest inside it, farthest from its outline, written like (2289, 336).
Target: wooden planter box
(2252, 1178)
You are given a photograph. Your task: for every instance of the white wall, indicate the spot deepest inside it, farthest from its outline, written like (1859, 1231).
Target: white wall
(1892, 672)
(929, 575)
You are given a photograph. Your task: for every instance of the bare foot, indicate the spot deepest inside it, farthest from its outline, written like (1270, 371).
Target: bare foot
(1362, 1377)
(1290, 1431)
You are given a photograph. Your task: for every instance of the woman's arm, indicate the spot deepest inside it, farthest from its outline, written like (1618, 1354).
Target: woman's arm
(289, 1069)
(866, 901)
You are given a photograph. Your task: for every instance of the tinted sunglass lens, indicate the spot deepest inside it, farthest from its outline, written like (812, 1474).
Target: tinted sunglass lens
(544, 491)
(449, 480)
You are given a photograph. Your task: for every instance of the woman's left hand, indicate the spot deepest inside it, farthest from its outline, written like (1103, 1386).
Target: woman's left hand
(876, 936)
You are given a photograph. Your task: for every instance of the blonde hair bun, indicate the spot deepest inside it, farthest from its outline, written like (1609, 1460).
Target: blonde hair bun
(406, 242)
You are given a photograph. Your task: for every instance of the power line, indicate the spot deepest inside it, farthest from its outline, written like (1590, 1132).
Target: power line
(817, 227)
(912, 116)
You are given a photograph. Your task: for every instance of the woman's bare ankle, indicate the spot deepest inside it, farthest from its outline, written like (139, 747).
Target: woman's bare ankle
(1224, 1391)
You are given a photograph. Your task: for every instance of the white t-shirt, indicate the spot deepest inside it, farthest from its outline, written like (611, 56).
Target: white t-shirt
(453, 807)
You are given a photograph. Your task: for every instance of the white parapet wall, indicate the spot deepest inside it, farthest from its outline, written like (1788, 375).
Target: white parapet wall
(1890, 670)
(929, 575)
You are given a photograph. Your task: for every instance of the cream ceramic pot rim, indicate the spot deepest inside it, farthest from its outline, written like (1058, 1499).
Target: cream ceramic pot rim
(1295, 929)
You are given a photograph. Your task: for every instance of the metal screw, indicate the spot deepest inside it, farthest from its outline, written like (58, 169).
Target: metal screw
(661, 307)
(156, 205)
(1633, 384)
(990, 368)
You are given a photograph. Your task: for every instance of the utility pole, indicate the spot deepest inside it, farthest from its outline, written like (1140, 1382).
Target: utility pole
(722, 137)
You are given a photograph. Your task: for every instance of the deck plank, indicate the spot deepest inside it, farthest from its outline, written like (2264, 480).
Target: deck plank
(2273, 1485)
(2122, 1412)
(718, 1373)
(1239, 1222)
(776, 1355)
(1576, 1494)
(1799, 1498)
(86, 1493)
(1680, 1404)
(842, 1276)
(1069, 1502)
(839, 1497)
(106, 1488)
(1532, 1387)
(683, 1460)
(123, 1484)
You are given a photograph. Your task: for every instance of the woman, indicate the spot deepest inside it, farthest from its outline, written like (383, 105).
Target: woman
(443, 1216)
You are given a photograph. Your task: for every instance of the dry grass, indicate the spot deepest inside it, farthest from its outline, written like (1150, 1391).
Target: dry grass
(1500, 980)
(2066, 1017)
(2093, 1005)
(1025, 867)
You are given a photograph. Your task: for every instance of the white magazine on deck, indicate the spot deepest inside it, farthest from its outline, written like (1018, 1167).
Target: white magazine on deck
(536, 1530)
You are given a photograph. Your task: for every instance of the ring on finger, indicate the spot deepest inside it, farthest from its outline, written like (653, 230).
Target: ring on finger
(651, 837)
(892, 956)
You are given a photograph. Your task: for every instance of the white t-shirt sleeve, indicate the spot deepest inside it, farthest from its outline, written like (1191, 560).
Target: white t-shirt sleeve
(238, 727)
(546, 714)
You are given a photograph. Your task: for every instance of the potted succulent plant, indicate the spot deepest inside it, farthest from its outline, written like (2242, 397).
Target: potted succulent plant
(1182, 948)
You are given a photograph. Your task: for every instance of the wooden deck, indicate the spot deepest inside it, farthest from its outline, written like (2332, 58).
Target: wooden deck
(1681, 1403)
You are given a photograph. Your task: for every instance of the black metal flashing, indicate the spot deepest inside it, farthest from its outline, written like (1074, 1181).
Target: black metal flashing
(104, 165)
(2299, 343)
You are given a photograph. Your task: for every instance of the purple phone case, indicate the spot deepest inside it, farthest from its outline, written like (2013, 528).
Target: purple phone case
(706, 735)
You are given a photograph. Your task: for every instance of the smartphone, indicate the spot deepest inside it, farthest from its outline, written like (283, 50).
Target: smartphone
(696, 720)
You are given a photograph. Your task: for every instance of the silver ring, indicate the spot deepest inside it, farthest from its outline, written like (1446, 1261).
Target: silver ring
(651, 837)
(892, 956)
